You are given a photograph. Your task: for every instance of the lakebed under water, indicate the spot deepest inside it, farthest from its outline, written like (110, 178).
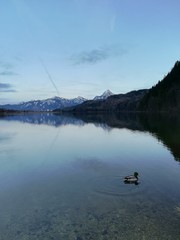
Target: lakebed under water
(61, 177)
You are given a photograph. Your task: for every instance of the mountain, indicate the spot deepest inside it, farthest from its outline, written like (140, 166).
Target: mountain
(165, 95)
(51, 104)
(114, 103)
(105, 95)
(45, 105)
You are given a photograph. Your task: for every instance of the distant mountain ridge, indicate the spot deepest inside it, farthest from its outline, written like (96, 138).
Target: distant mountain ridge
(113, 103)
(163, 97)
(45, 105)
(51, 104)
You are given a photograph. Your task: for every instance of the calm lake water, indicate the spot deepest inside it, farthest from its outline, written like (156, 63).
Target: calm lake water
(61, 177)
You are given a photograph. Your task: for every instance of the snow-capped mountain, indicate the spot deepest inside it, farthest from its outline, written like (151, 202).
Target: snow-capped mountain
(45, 105)
(51, 104)
(105, 95)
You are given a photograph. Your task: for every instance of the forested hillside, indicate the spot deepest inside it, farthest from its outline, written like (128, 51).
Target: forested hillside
(165, 95)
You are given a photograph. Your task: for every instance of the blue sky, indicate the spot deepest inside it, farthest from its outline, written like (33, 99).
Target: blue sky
(76, 48)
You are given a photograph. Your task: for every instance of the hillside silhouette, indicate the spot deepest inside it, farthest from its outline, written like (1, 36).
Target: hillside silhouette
(165, 95)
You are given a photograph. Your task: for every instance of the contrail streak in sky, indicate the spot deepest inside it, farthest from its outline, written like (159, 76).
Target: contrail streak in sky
(49, 76)
(25, 13)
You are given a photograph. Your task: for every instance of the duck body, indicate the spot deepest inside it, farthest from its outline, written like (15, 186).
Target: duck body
(131, 178)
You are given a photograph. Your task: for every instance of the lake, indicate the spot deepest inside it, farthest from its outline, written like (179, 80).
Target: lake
(61, 177)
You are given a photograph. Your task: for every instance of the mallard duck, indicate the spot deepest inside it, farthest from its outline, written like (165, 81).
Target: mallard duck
(131, 178)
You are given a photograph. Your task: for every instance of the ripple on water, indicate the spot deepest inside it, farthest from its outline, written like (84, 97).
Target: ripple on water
(115, 186)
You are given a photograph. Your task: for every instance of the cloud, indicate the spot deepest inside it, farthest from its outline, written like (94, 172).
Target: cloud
(7, 90)
(6, 87)
(18, 58)
(6, 69)
(113, 23)
(97, 55)
(6, 65)
(7, 73)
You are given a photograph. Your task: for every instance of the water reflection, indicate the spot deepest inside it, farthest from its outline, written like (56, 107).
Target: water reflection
(68, 182)
(135, 183)
(166, 128)
(44, 118)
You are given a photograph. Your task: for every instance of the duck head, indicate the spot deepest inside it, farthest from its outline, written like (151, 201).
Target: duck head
(136, 174)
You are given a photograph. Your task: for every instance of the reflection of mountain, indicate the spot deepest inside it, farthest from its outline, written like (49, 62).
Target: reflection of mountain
(44, 118)
(130, 121)
(165, 128)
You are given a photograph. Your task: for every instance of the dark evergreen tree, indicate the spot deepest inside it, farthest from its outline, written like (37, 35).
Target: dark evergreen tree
(165, 95)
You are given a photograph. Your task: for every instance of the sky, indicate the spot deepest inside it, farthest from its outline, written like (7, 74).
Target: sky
(71, 48)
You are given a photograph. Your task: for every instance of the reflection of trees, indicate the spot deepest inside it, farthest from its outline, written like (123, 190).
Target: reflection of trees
(165, 128)
(130, 120)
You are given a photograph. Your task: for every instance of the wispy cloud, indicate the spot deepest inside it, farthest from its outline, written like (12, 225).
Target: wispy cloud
(6, 69)
(8, 73)
(6, 87)
(97, 55)
(5, 65)
(8, 91)
(18, 58)
(113, 23)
